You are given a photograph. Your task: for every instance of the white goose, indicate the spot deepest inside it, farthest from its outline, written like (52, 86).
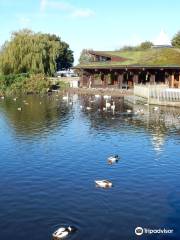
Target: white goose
(103, 183)
(65, 97)
(63, 232)
(108, 105)
(113, 106)
(113, 159)
(129, 111)
(156, 108)
(106, 97)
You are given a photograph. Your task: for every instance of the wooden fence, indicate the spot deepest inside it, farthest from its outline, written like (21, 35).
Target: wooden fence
(158, 94)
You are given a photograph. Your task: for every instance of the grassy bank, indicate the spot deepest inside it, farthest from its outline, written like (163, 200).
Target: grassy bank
(20, 84)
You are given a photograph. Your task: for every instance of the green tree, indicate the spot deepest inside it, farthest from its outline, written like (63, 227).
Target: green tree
(176, 40)
(85, 56)
(29, 52)
(145, 45)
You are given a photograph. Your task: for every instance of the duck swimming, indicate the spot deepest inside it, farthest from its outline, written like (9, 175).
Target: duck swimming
(63, 232)
(113, 159)
(103, 183)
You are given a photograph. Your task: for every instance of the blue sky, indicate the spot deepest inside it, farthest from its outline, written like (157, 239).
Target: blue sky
(95, 24)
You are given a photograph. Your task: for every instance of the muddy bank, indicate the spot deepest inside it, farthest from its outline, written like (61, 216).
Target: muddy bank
(101, 91)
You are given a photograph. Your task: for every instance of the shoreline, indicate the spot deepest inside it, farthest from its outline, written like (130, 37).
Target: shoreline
(101, 91)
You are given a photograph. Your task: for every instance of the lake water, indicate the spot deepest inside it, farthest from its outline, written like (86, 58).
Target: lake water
(52, 151)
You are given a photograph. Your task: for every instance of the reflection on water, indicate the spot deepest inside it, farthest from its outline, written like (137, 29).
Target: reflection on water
(53, 150)
(38, 115)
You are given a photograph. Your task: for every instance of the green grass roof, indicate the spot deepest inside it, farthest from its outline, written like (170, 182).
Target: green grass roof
(154, 57)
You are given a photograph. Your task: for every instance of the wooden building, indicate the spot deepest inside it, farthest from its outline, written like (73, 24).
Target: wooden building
(121, 69)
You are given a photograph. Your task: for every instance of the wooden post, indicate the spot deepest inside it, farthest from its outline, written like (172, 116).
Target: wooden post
(81, 79)
(167, 78)
(120, 80)
(179, 81)
(105, 80)
(135, 79)
(172, 81)
(152, 79)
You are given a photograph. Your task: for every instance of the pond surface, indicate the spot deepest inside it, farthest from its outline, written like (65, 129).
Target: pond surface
(53, 150)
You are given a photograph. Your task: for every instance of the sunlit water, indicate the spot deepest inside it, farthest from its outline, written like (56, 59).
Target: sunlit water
(52, 151)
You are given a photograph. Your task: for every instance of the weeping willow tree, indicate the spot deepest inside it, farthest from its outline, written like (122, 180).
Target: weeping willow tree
(29, 52)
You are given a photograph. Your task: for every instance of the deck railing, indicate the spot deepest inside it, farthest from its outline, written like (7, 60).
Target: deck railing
(158, 92)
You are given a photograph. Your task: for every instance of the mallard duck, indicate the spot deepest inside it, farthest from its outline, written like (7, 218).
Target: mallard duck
(63, 232)
(113, 159)
(103, 183)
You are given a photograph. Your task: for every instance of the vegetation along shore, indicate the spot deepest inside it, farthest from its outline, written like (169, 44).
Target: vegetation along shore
(28, 61)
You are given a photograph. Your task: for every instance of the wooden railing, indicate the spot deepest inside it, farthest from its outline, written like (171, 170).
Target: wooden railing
(158, 92)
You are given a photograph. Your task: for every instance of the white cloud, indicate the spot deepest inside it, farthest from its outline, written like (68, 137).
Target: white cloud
(65, 6)
(60, 5)
(43, 5)
(82, 13)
